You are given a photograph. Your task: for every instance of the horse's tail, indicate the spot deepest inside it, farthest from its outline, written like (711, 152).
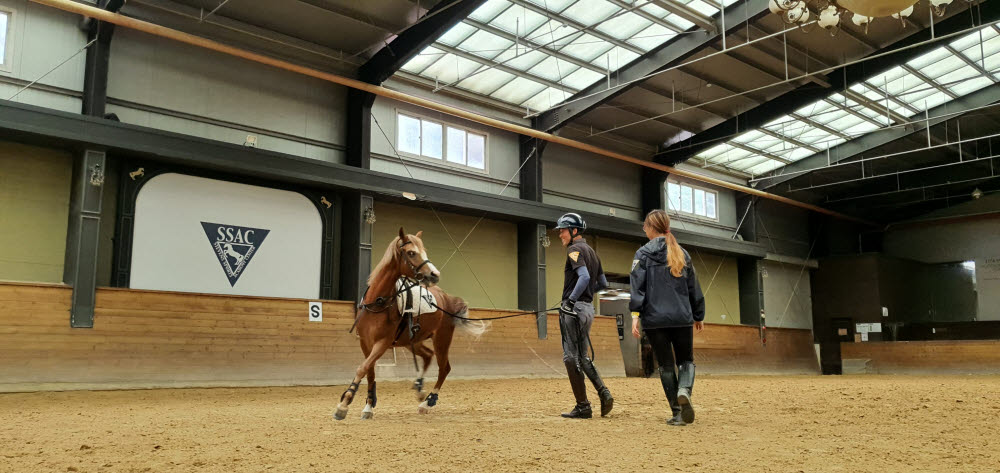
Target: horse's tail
(474, 328)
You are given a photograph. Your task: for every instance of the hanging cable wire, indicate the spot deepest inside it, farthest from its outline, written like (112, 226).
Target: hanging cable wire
(57, 66)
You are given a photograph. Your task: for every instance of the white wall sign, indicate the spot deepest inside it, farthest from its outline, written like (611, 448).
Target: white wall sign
(193, 234)
(315, 311)
(988, 288)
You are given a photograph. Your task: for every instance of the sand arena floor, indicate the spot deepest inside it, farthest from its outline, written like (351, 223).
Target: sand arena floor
(780, 424)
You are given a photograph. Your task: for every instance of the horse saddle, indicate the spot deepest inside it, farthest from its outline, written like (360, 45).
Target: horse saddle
(414, 299)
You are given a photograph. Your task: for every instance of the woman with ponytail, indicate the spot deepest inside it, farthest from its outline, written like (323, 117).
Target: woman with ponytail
(667, 299)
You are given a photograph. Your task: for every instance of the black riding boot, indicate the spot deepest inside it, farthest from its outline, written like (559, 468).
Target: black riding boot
(668, 378)
(685, 382)
(607, 402)
(582, 409)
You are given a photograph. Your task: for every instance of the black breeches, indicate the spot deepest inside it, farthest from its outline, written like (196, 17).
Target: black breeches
(680, 338)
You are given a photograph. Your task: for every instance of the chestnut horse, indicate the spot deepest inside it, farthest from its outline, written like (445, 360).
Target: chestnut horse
(380, 324)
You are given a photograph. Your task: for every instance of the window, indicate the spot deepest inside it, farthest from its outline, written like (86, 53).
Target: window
(686, 199)
(441, 142)
(6, 22)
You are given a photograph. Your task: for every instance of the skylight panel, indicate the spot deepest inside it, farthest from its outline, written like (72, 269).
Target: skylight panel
(764, 167)
(484, 44)
(582, 78)
(489, 10)
(651, 37)
(588, 48)
(958, 76)
(715, 151)
(969, 86)
(524, 61)
(591, 11)
(624, 26)
(553, 5)
(553, 69)
(520, 21)
(486, 81)
(732, 155)
(930, 58)
(747, 164)
(703, 7)
(942, 67)
(457, 34)
(546, 99)
(518, 90)
(615, 58)
(451, 68)
(749, 137)
(422, 60)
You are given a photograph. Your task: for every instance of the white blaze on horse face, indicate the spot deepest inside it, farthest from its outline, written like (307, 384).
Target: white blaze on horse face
(430, 265)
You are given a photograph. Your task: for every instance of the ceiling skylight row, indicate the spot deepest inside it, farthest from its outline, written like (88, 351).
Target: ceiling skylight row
(948, 72)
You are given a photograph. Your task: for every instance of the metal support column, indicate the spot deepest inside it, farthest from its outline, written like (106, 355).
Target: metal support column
(359, 128)
(652, 192)
(531, 172)
(83, 235)
(531, 272)
(356, 244)
(750, 273)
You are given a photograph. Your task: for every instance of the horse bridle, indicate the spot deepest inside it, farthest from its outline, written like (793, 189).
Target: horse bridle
(416, 269)
(383, 302)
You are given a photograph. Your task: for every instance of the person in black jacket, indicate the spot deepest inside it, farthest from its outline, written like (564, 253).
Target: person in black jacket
(667, 299)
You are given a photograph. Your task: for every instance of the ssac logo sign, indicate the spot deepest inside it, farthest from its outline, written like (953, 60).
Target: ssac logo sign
(235, 246)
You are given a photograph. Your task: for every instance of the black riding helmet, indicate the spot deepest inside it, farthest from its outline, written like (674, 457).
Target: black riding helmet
(571, 221)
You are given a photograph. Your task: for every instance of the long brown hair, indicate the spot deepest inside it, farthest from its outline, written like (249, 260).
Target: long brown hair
(659, 222)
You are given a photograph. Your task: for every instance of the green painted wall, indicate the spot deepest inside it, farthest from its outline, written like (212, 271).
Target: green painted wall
(34, 208)
(491, 252)
(722, 295)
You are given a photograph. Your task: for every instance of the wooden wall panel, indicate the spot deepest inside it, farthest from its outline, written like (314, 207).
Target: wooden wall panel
(924, 357)
(161, 339)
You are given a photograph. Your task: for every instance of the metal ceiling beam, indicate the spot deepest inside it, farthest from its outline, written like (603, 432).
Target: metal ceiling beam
(408, 44)
(875, 107)
(761, 153)
(892, 98)
(789, 139)
(975, 65)
(839, 80)
(941, 113)
(928, 80)
(667, 55)
(687, 13)
(819, 125)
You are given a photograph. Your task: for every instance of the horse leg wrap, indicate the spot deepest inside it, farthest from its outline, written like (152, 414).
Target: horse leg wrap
(372, 398)
(418, 386)
(353, 388)
(432, 399)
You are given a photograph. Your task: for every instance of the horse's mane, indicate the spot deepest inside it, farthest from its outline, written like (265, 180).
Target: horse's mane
(387, 259)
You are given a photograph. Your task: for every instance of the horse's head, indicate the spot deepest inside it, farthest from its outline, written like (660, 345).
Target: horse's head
(413, 259)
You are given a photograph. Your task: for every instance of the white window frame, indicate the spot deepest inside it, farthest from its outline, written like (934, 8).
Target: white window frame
(691, 214)
(8, 60)
(443, 160)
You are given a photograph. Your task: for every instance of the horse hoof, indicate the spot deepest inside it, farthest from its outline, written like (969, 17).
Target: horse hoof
(423, 408)
(340, 414)
(367, 415)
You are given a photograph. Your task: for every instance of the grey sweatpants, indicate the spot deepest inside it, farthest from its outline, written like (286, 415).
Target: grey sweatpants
(576, 332)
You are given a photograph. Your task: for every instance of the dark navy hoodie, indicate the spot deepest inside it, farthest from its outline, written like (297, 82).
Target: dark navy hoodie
(662, 299)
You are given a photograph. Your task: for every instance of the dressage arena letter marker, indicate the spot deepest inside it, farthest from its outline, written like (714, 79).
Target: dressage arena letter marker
(235, 246)
(315, 311)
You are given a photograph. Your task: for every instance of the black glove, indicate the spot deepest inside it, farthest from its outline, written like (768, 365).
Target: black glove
(568, 307)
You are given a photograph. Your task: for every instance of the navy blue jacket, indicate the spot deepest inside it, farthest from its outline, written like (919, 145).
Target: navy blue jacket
(662, 299)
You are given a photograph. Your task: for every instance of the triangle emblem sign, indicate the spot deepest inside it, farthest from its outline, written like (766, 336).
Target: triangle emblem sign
(234, 246)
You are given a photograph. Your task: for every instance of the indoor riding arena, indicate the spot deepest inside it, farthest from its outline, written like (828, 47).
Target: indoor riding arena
(400, 235)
